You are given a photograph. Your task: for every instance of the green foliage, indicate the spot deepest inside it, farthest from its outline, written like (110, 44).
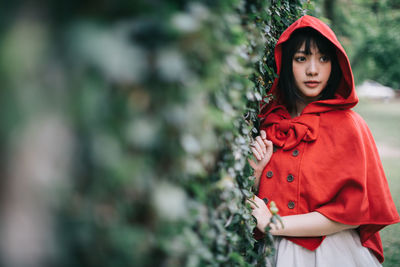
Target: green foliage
(369, 31)
(161, 108)
(377, 57)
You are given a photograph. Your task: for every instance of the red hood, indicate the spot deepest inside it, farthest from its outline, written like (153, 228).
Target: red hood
(345, 96)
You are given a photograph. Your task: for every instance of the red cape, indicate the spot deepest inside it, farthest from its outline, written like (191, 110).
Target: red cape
(326, 159)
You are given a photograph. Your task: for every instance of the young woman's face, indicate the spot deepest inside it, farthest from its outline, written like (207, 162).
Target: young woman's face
(311, 72)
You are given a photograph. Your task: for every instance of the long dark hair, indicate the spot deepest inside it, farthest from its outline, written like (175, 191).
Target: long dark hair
(288, 92)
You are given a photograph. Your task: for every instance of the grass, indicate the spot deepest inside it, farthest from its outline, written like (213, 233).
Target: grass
(383, 118)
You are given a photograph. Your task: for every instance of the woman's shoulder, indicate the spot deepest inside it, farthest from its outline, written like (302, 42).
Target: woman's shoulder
(345, 125)
(343, 118)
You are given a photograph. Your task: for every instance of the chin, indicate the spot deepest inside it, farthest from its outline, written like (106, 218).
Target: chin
(314, 94)
(311, 98)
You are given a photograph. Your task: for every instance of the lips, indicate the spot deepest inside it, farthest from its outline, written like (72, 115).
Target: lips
(312, 84)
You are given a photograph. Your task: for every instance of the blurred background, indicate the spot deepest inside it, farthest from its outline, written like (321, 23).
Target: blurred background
(124, 124)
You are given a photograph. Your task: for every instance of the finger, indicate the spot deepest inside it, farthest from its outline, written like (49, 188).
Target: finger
(257, 146)
(263, 134)
(256, 199)
(259, 201)
(268, 144)
(252, 206)
(255, 153)
(261, 144)
(270, 147)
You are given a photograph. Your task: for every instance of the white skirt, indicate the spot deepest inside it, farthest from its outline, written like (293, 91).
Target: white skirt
(342, 249)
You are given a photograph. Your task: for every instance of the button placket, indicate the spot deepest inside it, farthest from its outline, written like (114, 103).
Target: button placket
(290, 177)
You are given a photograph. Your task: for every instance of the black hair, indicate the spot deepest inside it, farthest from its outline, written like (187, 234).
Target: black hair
(288, 92)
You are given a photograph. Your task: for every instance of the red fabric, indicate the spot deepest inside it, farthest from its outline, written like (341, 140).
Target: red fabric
(331, 155)
(288, 133)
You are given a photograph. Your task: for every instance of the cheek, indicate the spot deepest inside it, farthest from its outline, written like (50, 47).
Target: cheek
(296, 72)
(327, 72)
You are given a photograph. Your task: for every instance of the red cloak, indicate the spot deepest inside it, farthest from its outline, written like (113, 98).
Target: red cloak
(326, 159)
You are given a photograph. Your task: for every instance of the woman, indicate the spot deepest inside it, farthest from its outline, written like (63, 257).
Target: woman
(317, 159)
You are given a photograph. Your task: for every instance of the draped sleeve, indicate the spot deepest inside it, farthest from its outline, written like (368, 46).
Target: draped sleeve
(359, 193)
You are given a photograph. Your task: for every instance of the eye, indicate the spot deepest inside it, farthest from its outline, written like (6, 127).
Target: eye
(299, 58)
(324, 59)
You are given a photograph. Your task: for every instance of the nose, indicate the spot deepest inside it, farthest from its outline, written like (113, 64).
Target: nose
(312, 68)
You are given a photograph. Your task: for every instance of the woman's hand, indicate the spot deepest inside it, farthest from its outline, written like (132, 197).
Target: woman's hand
(260, 212)
(262, 150)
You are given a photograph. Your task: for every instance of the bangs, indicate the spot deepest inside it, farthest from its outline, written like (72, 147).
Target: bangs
(310, 37)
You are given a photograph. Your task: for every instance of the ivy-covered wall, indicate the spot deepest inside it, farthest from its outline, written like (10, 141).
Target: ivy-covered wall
(138, 117)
